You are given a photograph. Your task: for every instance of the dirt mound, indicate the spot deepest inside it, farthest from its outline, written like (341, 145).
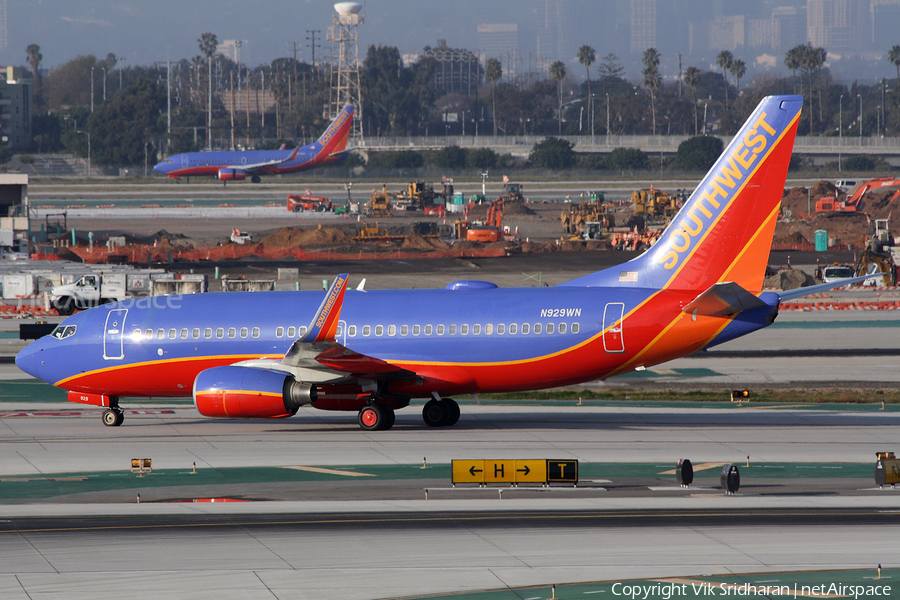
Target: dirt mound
(789, 238)
(803, 200)
(789, 279)
(290, 237)
(417, 242)
(826, 189)
(510, 209)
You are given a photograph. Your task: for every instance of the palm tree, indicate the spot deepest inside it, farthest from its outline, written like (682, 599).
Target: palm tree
(587, 56)
(652, 81)
(819, 56)
(493, 70)
(738, 69)
(809, 60)
(558, 72)
(34, 59)
(894, 58)
(793, 61)
(692, 79)
(208, 44)
(725, 60)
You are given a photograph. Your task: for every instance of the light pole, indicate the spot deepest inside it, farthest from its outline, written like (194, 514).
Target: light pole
(89, 150)
(859, 96)
(840, 129)
(104, 85)
(92, 90)
(484, 177)
(120, 59)
(607, 119)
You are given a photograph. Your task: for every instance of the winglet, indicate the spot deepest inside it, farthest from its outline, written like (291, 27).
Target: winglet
(323, 327)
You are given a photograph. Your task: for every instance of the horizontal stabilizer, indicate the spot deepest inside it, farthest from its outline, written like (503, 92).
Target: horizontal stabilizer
(723, 299)
(823, 287)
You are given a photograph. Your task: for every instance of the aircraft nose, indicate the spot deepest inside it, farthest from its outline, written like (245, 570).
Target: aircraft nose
(159, 168)
(29, 359)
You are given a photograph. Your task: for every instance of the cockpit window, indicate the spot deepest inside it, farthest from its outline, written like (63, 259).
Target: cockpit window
(62, 333)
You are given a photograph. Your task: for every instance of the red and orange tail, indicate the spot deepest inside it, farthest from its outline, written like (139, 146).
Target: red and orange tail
(323, 327)
(724, 232)
(335, 138)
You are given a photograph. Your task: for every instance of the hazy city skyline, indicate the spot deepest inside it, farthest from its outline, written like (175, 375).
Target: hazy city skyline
(857, 33)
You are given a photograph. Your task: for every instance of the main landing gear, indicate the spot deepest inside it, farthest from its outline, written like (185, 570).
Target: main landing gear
(375, 417)
(113, 417)
(441, 413)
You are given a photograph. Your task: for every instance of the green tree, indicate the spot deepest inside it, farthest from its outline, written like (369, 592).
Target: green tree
(553, 153)
(738, 69)
(397, 99)
(586, 57)
(69, 84)
(894, 57)
(208, 44)
(493, 71)
(34, 61)
(404, 159)
(793, 60)
(123, 129)
(724, 60)
(627, 159)
(558, 72)
(698, 153)
(450, 157)
(860, 162)
(692, 79)
(481, 159)
(651, 79)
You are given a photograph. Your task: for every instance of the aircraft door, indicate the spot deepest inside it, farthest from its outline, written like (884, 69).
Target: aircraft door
(114, 335)
(612, 327)
(184, 161)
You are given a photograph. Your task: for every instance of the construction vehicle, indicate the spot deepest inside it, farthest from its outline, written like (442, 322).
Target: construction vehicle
(880, 240)
(240, 237)
(489, 230)
(576, 218)
(512, 192)
(655, 207)
(380, 204)
(852, 203)
(88, 291)
(870, 262)
(297, 203)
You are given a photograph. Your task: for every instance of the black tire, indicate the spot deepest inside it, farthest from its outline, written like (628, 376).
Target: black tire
(453, 415)
(434, 413)
(120, 418)
(371, 417)
(110, 418)
(321, 208)
(255, 179)
(65, 305)
(389, 417)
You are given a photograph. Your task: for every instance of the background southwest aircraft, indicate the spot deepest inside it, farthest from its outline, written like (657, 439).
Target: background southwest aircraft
(265, 354)
(238, 165)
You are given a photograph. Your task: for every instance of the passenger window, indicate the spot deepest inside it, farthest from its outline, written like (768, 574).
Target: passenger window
(538, 328)
(549, 327)
(416, 329)
(367, 330)
(488, 329)
(453, 330)
(149, 334)
(428, 330)
(232, 332)
(172, 333)
(184, 333)
(501, 329)
(279, 332)
(302, 331)
(255, 332)
(404, 330)
(379, 330)
(220, 332)
(292, 332)
(513, 329)
(562, 327)
(195, 333)
(463, 330)
(207, 333)
(351, 331)
(575, 327)
(476, 329)
(392, 330)
(440, 330)
(244, 332)
(160, 334)
(526, 328)
(138, 334)
(339, 331)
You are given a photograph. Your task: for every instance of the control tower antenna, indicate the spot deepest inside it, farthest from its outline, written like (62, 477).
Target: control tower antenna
(345, 89)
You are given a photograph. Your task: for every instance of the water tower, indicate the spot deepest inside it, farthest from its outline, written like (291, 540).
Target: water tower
(344, 38)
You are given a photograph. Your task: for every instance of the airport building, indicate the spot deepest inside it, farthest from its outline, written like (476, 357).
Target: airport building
(15, 108)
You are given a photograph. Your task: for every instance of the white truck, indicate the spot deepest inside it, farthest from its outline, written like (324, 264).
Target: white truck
(95, 289)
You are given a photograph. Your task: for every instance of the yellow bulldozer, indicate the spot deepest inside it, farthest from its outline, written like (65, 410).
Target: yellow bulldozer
(655, 207)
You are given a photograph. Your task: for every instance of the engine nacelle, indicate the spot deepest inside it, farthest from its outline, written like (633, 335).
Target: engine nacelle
(232, 174)
(244, 392)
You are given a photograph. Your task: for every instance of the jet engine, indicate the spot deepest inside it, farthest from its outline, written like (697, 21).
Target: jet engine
(232, 174)
(245, 392)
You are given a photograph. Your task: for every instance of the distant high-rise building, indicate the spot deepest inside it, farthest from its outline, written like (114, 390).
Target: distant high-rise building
(727, 33)
(791, 26)
(15, 107)
(643, 25)
(885, 22)
(496, 39)
(4, 39)
(230, 49)
(839, 26)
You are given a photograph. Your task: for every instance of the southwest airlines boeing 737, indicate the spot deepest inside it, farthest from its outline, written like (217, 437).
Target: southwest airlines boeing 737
(236, 166)
(265, 354)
